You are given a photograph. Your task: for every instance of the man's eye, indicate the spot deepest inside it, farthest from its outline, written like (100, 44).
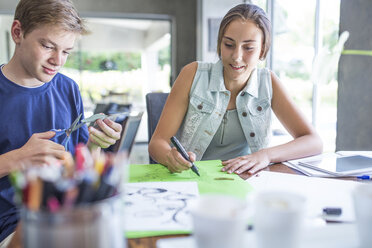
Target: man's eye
(47, 47)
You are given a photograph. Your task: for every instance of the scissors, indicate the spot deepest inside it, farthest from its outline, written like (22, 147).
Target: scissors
(67, 132)
(93, 118)
(76, 125)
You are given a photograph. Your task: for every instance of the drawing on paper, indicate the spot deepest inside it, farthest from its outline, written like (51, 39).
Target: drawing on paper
(159, 205)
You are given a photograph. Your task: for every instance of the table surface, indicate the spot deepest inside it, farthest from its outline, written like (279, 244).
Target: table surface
(150, 242)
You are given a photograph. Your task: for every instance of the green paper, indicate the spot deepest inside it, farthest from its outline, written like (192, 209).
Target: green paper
(211, 181)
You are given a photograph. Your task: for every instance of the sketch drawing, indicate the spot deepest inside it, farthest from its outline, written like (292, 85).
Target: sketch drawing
(151, 206)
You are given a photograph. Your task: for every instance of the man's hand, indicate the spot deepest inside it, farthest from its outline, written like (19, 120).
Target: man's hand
(107, 134)
(38, 150)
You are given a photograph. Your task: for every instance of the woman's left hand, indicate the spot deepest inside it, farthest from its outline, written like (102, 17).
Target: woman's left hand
(251, 163)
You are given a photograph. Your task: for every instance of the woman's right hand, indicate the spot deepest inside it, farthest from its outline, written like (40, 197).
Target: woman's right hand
(176, 163)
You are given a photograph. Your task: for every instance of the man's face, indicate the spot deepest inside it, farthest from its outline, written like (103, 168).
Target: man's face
(43, 52)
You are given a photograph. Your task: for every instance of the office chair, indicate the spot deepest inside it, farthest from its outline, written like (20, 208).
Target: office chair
(113, 108)
(154, 105)
(130, 129)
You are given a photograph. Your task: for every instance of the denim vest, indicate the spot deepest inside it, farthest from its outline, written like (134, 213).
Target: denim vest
(208, 103)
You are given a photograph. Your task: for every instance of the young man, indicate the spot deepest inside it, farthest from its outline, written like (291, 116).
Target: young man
(35, 98)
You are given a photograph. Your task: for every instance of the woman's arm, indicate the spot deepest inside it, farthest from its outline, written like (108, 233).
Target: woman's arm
(170, 120)
(306, 141)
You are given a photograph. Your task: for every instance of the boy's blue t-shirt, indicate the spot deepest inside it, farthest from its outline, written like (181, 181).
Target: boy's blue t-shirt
(25, 111)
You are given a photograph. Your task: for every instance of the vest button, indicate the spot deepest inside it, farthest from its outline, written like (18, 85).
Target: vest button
(244, 114)
(242, 94)
(252, 134)
(200, 106)
(259, 108)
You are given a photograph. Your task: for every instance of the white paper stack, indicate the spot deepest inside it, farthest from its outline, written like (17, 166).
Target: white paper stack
(340, 164)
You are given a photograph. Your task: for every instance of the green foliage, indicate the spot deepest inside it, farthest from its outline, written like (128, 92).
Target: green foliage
(164, 56)
(330, 39)
(293, 69)
(93, 62)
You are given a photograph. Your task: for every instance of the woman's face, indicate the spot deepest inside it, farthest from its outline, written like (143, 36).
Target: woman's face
(241, 47)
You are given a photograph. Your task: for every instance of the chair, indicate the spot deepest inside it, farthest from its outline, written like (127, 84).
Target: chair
(130, 128)
(154, 105)
(113, 108)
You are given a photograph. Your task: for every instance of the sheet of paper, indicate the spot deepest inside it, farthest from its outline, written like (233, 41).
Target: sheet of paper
(295, 164)
(159, 206)
(342, 166)
(306, 171)
(211, 180)
(319, 192)
(330, 236)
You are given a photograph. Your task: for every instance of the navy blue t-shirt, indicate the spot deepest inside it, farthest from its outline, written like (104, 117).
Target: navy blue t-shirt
(25, 111)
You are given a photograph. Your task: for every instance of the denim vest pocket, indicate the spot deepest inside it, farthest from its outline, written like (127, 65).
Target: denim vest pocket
(201, 105)
(257, 108)
(198, 113)
(260, 115)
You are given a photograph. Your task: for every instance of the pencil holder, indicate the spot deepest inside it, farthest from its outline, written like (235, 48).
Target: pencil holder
(99, 224)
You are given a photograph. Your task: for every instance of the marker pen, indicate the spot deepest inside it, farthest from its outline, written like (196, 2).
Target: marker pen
(184, 154)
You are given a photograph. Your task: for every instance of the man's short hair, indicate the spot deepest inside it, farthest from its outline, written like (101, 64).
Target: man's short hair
(62, 13)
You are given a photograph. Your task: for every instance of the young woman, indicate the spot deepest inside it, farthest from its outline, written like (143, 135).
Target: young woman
(223, 110)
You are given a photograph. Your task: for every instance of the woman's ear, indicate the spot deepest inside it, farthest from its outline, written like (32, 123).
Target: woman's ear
(16, 31)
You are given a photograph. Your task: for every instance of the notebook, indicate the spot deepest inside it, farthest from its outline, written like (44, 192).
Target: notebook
(340, 166)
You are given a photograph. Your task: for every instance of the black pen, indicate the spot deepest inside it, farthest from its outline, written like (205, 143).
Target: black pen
(184, 154)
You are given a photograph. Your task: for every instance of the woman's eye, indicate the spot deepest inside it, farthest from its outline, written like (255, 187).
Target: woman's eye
(248, 48)
(67, 53)
(228, 45)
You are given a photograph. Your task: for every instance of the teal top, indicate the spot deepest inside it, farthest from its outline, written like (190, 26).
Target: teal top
(229, 141)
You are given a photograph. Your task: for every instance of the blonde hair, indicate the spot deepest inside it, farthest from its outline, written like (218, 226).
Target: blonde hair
(247, 12)
(34, 13)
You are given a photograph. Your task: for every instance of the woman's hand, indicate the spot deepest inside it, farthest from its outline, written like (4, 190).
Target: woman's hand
(251, 163)
(176, 163)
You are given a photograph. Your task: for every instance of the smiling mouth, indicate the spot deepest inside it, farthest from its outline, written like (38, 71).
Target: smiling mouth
(237, 67)
(49, 71)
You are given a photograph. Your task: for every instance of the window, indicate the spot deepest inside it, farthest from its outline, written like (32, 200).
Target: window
(120, 61)
(300, 30)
